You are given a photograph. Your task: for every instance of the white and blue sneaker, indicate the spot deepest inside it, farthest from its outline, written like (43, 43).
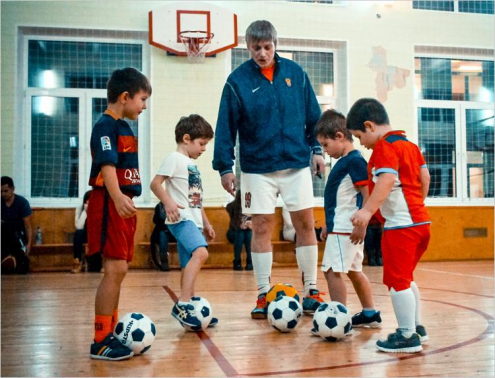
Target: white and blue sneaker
(186, 315)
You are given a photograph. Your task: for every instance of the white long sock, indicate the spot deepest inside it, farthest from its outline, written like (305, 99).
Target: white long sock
(307, 260)
(417, 298)
(405, 310)
(262, 267)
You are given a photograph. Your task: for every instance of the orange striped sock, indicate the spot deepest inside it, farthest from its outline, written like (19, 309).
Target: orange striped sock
(103, 326)
(115, 318)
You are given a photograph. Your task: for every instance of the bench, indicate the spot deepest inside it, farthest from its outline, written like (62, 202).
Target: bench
(54, 257)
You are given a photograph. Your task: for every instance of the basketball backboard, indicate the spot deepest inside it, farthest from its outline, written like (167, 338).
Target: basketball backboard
(166, 24)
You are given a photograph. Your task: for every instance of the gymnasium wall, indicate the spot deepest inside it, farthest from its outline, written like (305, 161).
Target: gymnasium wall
(181, 89)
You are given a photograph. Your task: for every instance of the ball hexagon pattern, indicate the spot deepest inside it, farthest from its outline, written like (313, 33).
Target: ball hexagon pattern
(135, 331)
(280, 290)
(284, 313)
(332, 321)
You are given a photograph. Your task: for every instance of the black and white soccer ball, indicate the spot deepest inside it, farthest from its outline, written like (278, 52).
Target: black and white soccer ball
(135, 331)
(284, 313)
(332, 321)
(203, 311)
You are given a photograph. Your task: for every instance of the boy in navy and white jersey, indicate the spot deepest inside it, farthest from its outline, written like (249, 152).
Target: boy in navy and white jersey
(345, 192)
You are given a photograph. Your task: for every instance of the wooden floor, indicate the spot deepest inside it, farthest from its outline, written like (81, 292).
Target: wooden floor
(47, 321)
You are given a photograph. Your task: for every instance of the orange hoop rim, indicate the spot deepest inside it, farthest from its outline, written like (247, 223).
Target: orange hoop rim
(186, 39)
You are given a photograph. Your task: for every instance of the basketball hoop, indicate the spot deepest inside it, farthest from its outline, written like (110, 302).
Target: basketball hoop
(196, 43)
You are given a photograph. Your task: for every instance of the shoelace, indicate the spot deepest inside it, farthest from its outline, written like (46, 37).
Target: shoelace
(261, 302)
(317, 296)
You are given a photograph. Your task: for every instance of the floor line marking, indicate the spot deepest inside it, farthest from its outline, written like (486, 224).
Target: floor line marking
(219, 358)
(455, 274)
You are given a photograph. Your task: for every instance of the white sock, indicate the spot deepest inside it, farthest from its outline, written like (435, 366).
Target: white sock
(307, 260)
(405, 310)
(262, 268)
(417, 298)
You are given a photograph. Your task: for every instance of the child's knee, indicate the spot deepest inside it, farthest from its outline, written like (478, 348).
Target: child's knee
(201, 254)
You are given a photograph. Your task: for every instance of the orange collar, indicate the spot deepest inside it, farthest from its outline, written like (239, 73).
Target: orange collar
(112, 114)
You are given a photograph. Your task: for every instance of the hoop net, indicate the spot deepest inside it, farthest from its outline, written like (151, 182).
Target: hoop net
(196, 43)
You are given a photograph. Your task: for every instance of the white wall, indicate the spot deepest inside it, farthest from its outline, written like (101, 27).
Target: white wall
(181, 89)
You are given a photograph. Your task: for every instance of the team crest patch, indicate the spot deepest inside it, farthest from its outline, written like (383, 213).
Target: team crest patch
(289, 84)
(105, 143)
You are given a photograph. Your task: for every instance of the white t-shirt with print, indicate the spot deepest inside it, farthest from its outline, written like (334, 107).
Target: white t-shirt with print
(184, 186)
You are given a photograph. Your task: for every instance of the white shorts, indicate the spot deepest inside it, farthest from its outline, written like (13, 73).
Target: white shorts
(260, 191)
(341, 255)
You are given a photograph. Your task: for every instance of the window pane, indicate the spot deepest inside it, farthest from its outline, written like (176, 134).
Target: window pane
(472, 6)
(479, 146)
(54, 146)
(68, 64)
(437, 135)
(453, 79)
(434, 5)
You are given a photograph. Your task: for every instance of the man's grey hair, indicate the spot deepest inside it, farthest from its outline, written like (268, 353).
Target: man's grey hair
(261, 31)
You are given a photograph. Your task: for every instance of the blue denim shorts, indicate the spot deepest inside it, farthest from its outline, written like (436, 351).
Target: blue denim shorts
(189, 238)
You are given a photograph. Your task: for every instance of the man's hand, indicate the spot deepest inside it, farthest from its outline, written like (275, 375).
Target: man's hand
(358, 234)
(318, 164)
(209, 232)
(324, 233)
(172, 210)
(361, 218)
(124, 206)
(229, 183)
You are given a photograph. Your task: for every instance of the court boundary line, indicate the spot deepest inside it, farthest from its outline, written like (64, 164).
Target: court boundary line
(217, 355)
(230, 371)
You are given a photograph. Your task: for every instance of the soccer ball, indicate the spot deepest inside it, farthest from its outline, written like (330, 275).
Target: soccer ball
(332, 321)
(281, 289)
(284, 313)
(135, 331)
(203, 311)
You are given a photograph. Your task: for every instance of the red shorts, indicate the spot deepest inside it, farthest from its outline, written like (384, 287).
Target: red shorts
(401, 250)
(108, 232)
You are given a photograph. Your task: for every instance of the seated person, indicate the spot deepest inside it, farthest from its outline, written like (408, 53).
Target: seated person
(17, 231)
(241, 226)
(81, 234)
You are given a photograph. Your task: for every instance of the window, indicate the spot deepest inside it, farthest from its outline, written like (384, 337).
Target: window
(320, 67)
(66, 93)
(455, 116)
(463, 6)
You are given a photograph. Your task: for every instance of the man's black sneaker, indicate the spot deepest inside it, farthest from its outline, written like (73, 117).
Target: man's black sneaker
(361, 320)
(397, 343)
(110, 349)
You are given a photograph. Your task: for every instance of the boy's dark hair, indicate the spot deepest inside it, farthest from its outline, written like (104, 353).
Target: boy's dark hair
(6, 180)
(366, 109)
(194, 125)
(261, 30)
(126, 80)
(330, 123)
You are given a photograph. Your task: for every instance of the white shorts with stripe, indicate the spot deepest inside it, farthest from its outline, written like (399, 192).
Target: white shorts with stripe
(341, 255)
(259, 191)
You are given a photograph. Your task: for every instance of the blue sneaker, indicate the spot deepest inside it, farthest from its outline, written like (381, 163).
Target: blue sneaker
(186, 315)
(421, 331)
(361, 320)
(397, 343)
(110, 349)
(213, 322)
(312, 302)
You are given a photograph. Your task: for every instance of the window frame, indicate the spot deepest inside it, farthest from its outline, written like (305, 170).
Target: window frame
(455, 10)
(22, 154)
(461, 176)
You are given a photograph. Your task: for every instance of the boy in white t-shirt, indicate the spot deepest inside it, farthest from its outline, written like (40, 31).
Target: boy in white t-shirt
(186, 217)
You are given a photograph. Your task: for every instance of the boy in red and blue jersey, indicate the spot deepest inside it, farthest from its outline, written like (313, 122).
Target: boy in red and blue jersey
(398, 184)
(111, 219)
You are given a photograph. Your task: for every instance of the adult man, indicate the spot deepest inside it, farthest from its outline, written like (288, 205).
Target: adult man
(269, 102)
(16, 216)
